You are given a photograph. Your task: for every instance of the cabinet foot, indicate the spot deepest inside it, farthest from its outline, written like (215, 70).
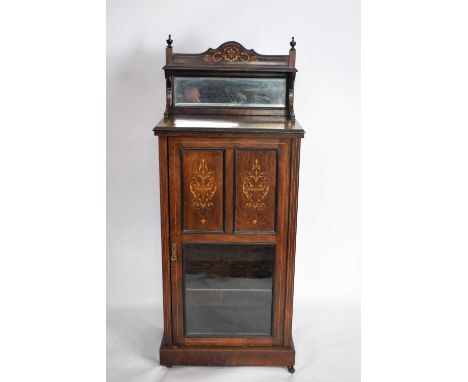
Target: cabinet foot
(291, 369)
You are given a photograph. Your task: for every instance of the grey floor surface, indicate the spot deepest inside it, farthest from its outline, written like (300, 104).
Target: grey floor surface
(327, 340)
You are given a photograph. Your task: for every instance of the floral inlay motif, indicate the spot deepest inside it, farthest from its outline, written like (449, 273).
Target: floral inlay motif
(255, 188)
(203, 187)
(230, 53)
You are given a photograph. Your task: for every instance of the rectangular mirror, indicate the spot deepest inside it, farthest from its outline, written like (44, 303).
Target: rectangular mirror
(230, 92)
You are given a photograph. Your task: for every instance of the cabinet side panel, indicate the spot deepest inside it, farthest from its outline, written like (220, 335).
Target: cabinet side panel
(290, 260)
(166, 267)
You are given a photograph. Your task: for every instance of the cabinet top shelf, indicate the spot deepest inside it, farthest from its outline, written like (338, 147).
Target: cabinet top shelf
(230, 80)
(228, 124)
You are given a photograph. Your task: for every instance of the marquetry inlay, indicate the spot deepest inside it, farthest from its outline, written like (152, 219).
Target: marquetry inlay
(255, 188)
(230, 53)
(203, 187)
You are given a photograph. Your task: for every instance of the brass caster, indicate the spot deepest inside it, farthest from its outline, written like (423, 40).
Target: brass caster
(291, 369)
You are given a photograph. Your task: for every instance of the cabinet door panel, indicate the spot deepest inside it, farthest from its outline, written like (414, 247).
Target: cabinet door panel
(255, 183)
(203, 190)
(228, 273)
(228, 289)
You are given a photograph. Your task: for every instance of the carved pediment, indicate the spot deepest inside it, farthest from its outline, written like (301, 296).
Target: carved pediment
(230, 51)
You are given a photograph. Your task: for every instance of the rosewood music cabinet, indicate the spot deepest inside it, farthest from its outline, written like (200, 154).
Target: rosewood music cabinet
(229, 150)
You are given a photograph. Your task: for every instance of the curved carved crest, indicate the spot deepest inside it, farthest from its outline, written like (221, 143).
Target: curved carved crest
(231, 52)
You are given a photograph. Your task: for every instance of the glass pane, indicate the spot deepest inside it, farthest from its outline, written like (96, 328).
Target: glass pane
(228, 289)
(230, 92)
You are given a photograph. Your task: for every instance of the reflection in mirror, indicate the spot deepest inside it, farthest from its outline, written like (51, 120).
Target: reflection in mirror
(230, 92)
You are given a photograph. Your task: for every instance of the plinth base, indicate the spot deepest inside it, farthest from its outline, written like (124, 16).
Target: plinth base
(227, 356)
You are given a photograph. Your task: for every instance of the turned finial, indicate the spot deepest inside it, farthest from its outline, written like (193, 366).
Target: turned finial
(292, 43)
(169, 42)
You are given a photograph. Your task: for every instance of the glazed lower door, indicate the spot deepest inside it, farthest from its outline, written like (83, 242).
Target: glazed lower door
(228, 290)
(226, 294)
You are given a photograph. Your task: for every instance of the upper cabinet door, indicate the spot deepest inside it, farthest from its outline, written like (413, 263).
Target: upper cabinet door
(256, 184)
(233, 187)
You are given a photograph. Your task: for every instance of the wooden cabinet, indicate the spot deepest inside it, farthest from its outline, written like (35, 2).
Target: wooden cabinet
(228, 184)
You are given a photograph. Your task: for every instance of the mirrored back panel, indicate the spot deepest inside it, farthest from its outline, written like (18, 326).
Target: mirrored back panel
(230, 92)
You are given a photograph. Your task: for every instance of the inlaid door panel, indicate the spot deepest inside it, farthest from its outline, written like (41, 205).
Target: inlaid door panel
(255, 190)
(202, 173)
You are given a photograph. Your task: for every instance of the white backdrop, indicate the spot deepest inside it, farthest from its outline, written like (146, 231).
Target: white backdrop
(327, 104)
